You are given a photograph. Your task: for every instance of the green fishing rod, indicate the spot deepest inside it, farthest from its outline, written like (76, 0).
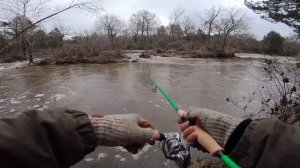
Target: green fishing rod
(210, 144)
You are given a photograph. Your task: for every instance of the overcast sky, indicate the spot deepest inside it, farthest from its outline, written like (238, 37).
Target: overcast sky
(79, 21)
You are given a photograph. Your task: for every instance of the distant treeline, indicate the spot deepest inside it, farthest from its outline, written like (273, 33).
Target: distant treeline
(218, 28)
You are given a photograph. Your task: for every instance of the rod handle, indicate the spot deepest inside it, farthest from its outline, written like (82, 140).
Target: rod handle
(207, 141)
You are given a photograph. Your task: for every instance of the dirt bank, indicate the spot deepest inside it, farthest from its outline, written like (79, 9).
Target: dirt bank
(72, 56)
(199, 53)
(75, 57)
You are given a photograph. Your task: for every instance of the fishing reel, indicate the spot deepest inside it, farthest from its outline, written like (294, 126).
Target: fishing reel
(174, 149)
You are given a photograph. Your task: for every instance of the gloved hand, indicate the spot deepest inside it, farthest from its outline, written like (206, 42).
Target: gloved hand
(126, 130)
(218, 125)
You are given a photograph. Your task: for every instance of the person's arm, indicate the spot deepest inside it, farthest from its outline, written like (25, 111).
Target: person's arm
(127, 130)
(250, 143)
(60, 138)
(51, 139)
(267, 143)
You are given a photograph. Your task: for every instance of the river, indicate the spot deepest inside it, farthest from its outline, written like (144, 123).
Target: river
(126, 88)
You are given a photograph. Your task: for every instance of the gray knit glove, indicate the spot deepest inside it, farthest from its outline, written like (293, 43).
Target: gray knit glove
(218, 125)
(127, 130)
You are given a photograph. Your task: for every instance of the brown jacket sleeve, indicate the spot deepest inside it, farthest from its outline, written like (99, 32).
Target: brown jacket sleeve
(51, 139)
(268, 143)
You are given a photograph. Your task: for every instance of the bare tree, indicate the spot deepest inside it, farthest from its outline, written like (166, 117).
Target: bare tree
(232, 23)
(152, 22)
(125, 36)
(138, 21)
(242, 40)
(292, 45)
(188, 26)
(162, 37)
(134, 27)
(111, 25)
(20, 12)
(175, 20)
(143, 23)
(23, 8)
(64, 30)
(12, 28)
(141, 16)
(210, 19)
(27, 8)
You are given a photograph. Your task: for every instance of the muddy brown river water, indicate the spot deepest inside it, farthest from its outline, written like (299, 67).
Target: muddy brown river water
(126, 88)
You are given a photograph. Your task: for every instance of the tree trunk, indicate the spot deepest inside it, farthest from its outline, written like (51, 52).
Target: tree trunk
(150, 38)
(224, 43)
(135, 38)
(148, 35)
(209, 32)
(23, 45)
(112, 42)
(30, 57)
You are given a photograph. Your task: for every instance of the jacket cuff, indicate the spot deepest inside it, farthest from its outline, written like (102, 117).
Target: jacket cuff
(236, 135)
(85, 130)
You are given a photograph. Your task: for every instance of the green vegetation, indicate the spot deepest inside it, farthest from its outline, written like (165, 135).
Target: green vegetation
(284, 11)
(273, 43)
